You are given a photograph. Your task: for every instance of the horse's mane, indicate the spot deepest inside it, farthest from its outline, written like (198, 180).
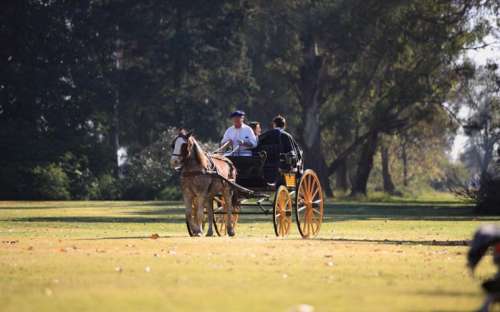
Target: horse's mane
(199, 155)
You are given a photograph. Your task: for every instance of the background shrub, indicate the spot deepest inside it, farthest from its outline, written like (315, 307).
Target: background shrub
(170, 193)
(51, 182)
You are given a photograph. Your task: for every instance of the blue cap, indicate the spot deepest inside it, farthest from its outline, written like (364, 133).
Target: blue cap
(237, 113)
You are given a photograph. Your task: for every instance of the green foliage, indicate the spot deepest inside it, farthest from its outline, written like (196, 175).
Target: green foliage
(106, 187)
(170, 193)
(116, 74)
(51, 182)
(80, 177)
(420, 197)
(148, 172)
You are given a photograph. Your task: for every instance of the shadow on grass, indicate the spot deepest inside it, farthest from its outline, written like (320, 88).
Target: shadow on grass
(34, 207)
(409, 203)
(93, 204)
(163, 213)
(356, 212)
(446, 243)
(404, 213)
(448, 293)
(343, 218)
(455, 243)
(127, 237)
(83, 219)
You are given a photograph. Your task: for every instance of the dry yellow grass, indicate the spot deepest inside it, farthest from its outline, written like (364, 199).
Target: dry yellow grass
(98, 256)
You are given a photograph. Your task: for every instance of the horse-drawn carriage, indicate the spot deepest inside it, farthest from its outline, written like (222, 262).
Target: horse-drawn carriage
(269, 182)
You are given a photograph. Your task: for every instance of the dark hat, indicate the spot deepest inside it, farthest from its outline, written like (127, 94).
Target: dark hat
(237, 113)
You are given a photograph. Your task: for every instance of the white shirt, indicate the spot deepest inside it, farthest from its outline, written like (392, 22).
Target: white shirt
(235, 135)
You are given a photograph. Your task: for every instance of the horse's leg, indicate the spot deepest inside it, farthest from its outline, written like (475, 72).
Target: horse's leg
(228, 201)
(200, 205)
(209, 203)
(188, 202)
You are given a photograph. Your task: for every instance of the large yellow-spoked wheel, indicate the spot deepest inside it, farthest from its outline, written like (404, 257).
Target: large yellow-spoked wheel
(194, 218)
(282, 211)
(309, 205)
(220, 216)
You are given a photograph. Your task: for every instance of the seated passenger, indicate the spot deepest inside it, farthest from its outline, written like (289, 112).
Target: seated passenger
(288, 147)
(240, 135)
(257, 130)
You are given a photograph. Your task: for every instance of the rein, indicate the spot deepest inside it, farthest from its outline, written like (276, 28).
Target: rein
(241, 189)
(220, 149)
(205, 171)
(212, 169)
(214, 172)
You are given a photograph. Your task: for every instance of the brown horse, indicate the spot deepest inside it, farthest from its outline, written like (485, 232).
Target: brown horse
(202, 177)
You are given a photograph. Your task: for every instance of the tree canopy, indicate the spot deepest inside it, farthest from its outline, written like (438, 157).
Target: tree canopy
(84, 82)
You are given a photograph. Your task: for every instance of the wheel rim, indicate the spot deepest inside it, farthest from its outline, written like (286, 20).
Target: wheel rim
(309, 205)
(282, 212)
(194, 218)
(220, 216)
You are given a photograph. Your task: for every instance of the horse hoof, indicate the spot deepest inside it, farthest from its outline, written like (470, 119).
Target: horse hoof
(210, 234)
(198, 234)
(231, 232)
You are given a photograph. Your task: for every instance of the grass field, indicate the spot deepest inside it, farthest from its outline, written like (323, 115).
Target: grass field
(99, 256)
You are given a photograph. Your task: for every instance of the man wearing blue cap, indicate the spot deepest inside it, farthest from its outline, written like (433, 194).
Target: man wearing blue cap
(240, 135)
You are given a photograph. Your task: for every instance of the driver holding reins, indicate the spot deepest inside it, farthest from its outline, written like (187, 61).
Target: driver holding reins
(240, 135)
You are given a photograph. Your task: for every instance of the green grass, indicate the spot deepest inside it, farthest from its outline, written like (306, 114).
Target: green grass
(82, 256)
(422, 197)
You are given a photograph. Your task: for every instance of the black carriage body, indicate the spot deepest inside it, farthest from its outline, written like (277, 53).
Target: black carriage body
(277, 160)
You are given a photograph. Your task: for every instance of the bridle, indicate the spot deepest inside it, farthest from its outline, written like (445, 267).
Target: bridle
(181, 154)
(212, 169)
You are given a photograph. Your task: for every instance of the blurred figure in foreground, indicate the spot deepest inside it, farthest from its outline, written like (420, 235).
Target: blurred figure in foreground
(486, 236)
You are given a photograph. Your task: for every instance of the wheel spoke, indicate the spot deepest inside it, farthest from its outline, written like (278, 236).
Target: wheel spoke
(305, 188)
(316, 211)
(315, 193)
(311, 184)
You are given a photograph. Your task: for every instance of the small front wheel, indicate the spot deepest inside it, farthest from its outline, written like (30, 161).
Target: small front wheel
(220, 215)
(282, 211)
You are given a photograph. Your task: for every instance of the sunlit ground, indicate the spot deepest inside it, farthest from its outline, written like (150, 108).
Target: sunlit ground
(98, 256)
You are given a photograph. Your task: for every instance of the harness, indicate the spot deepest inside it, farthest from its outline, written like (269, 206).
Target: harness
(214, 172)
(211, 170)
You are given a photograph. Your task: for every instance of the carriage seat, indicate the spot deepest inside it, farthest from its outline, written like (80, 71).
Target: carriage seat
(263, 168)
(250, 170)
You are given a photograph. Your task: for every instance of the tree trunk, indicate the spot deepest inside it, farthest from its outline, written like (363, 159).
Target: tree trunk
(313, 154)
(365, 165)
(341, 181)
(118, 56)
(404, 157)
(309, 87)
(386, 174)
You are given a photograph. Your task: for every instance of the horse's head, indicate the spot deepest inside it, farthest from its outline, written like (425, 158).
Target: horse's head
(180, 149)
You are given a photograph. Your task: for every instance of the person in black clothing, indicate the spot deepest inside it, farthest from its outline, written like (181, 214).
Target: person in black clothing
(287, 154)
(288, 144)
